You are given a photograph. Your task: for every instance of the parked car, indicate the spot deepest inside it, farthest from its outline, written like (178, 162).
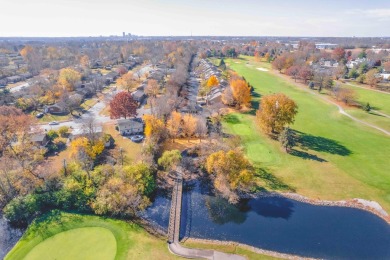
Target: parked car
(137, 138)
(40, 115)
(54, 123)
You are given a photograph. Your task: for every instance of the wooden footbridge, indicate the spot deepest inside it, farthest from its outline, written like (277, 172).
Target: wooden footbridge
(174, 229)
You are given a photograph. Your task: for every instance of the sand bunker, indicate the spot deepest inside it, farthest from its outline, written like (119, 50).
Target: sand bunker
(262, 69)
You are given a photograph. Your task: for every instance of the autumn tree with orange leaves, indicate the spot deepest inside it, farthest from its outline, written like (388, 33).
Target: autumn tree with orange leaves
(212, 82)
(275, 112)
(154, 128)
(241, 92)
(123, 105)
(174, 125)
(86, 152)
(189, 125)
(127, 81)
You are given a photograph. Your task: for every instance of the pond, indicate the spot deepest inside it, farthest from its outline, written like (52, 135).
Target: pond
(279, 224)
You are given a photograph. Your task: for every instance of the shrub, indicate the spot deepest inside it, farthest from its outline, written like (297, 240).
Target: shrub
(169, 159)
(21, 210)
(63, 131)
(52, 134)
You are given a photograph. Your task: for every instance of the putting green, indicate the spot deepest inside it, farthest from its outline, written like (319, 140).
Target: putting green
(80, 243)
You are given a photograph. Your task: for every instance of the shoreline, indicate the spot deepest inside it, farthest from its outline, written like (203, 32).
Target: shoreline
(362, 204)
(244, 246)
(366, 205)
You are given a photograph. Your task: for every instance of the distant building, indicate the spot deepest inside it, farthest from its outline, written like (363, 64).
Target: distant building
(385, 76)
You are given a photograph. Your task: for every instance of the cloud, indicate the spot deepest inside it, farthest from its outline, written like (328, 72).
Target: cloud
(381, 14)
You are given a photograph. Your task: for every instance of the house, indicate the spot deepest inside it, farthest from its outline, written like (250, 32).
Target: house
(130, 126)
(98, 64)
(138, 95)
(26, 75)
(58, 108)
(385, 76)
(3, 83)
(215, 97)
(14, 79)
(111, 77)
(157, 75)
(40, 139)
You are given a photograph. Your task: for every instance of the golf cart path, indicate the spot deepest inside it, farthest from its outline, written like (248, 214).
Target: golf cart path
(375, 90)
(341, 110)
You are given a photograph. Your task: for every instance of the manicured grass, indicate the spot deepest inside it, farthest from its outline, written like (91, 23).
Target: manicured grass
(370, 117)
(340, 159)
(230, 249)
(60, 235)
(378, 101)
(83, 243)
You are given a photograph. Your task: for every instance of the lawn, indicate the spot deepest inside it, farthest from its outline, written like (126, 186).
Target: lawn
(49, 118)
(378, 101)
(131, 151)
(60, 235)
(88, 103)
(339, 159)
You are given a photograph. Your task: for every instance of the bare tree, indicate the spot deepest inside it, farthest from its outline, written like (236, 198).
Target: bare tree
(201, 128)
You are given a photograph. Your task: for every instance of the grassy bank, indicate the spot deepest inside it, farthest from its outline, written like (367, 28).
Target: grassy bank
(230, 249)
(60, 235)
(340, 158)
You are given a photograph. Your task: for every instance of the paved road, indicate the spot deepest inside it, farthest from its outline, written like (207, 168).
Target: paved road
(94, 112)
(77, 123)
(19, 87)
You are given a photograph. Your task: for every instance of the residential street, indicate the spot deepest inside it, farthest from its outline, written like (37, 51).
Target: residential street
(94, 112)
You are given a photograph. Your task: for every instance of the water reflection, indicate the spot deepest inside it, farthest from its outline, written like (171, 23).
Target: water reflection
(222, 212)
(279, 224)
(278, 207)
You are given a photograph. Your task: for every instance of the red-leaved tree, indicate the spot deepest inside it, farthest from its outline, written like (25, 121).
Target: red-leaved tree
(123, 105)
(338, 53)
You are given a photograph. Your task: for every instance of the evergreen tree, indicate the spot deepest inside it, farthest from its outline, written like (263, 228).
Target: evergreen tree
(222, 65)
(367, 107)
(311, 84)
(286, 139)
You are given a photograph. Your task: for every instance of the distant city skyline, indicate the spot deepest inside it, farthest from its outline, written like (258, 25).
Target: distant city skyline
(62, 18)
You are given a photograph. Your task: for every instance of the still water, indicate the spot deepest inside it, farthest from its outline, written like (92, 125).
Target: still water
(278, 224)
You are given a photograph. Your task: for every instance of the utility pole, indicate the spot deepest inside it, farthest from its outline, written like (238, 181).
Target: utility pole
(121, 151)
(65, 167)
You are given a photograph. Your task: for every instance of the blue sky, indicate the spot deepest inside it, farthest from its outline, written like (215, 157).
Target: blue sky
(201, 17)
